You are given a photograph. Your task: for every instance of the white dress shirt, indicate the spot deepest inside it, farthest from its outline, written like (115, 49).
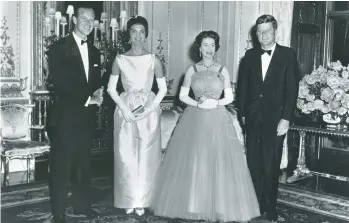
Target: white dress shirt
(266, 58)
(84, 53)
(84, 56)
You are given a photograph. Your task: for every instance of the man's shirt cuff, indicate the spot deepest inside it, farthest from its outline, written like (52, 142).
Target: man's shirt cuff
(88, 101)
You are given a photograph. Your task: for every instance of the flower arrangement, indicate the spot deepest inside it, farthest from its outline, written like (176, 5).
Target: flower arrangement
(326, 91)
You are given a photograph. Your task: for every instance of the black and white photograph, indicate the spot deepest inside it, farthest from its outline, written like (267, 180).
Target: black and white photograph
(174, 111)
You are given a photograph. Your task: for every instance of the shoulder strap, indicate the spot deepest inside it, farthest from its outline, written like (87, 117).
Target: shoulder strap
(196, 70)
(220, 69)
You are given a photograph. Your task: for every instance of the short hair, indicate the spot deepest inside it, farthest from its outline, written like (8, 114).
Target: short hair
(267, 18)
(207, 34)
(137, 20)
(79, 7)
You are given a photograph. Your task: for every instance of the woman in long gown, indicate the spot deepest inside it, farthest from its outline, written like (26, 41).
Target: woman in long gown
(204, 174)
(137, 147)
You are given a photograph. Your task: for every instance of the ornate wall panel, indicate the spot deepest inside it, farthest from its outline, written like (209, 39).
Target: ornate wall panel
(309, 34)
(15, 64)
(15, 56)
(281, 10)
(180, 22)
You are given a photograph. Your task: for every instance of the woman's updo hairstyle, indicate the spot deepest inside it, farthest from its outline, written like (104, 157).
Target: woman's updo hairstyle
(207, 34)
(137, 20)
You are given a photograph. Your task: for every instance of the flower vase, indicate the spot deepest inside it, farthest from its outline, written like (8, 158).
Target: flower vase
(334, 122)
(315, 118)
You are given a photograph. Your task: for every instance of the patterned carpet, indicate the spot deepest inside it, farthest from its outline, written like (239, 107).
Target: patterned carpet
(30, 203)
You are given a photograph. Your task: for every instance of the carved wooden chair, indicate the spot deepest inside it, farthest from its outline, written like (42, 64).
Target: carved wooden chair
(15, 134)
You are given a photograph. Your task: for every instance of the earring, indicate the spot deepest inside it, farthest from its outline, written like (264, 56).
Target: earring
(200, 54)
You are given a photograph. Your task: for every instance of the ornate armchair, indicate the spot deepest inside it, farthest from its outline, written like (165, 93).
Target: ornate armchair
(15, 138)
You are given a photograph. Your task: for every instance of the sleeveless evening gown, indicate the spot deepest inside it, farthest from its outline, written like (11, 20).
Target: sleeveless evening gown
(204, 174)
(137, 146)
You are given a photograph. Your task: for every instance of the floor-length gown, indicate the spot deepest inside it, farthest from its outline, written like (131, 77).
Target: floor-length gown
(204, 174)
(137, 146)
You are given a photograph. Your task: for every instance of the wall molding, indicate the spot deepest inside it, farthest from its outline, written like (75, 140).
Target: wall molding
(202, 16)
(39, 15)
(168, 38)
(18, 40)
(13, 81)
(7, 31)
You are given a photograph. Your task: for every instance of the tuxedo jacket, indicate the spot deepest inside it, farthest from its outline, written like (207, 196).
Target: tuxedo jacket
(70, 85)
(274, 98)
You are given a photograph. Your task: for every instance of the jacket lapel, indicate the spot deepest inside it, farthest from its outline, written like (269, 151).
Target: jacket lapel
(90, 61)
(75, 53)
(258, 65)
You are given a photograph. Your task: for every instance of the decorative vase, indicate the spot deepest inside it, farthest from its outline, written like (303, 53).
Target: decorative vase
(334, 122)
(316, 118)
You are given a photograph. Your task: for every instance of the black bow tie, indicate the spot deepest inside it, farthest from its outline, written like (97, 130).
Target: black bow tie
(265, 51)
(83, 41)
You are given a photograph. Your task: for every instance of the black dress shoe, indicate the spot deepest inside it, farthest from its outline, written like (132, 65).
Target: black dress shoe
(58, 218)
(88, 213)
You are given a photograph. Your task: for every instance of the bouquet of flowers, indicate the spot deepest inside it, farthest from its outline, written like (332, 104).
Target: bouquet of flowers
(326, 91)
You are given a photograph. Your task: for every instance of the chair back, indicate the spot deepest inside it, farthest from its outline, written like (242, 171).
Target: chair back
(14, 122)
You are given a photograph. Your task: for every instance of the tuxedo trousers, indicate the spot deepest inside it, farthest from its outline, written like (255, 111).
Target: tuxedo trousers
(263, 158)
(70, 164)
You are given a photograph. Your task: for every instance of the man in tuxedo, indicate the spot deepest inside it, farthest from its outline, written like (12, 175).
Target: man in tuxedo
(76, 76)
(266, 97)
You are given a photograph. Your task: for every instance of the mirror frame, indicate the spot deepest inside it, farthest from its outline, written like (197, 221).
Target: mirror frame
(38, 18)
(39, 11)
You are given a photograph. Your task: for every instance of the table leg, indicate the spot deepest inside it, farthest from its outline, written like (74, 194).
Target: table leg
(2, 164)
(301, 171)
(6, 162)
(28, 169)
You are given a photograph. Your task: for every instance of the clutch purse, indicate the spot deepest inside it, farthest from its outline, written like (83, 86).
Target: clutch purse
(139, 110)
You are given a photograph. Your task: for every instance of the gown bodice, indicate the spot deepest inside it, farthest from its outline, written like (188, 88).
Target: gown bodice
(137, 72)
(207, 83)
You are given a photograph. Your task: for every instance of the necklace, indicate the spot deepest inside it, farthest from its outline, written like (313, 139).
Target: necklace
(207, 67)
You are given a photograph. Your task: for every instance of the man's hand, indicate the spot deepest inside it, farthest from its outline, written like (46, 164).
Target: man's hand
(283, 127)
(95, 100)
(98, 92)
(97, 97)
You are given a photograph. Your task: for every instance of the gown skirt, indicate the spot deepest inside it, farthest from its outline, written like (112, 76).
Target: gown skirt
(137, 153)
(204, 174)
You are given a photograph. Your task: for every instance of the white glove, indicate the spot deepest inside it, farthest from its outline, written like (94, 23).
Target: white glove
(228, 97)
(160, 95)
